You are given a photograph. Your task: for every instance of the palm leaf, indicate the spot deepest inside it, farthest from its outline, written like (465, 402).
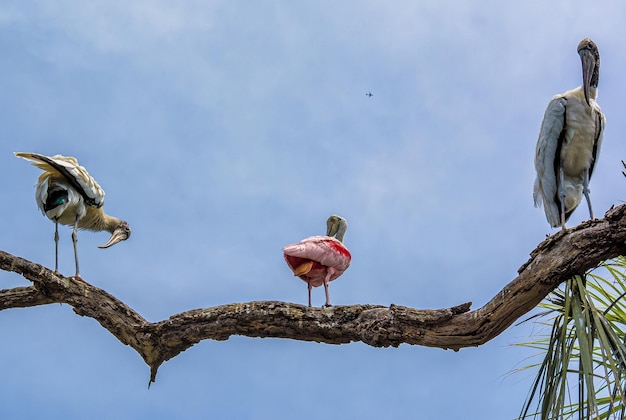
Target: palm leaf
(584, 355)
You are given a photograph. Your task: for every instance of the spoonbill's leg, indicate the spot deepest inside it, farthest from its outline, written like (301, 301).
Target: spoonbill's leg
(327, 295)
(302, 270)
(329, 272)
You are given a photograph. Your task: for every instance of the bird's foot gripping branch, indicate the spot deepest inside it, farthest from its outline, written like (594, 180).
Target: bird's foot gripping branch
(555, 260)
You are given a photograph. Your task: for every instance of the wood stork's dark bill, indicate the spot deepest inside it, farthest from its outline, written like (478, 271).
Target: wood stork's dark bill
(121, 233)
(589, 57)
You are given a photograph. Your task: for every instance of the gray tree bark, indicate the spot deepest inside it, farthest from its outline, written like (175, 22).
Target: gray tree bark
(555, 260)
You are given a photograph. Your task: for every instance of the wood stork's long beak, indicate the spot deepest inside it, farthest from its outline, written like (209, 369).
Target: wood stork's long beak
(121, 233)
(589, 64)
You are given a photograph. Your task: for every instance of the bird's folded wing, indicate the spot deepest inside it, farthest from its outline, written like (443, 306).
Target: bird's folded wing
(547, 146)
(323, 249)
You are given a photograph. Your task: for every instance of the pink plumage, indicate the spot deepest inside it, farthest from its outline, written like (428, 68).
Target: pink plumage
(318, 260)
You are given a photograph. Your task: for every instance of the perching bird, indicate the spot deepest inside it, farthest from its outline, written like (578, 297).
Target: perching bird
(67, 194)
(320, 259)
(569, 143)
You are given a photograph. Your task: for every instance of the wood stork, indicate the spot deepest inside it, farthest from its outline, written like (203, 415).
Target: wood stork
(320, 259)
(67, 194)
(569, 143)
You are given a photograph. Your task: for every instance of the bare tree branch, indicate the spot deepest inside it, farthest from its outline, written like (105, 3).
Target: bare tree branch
(555, 260)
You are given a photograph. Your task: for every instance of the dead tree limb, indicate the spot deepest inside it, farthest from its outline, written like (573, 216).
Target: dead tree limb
(555, 260)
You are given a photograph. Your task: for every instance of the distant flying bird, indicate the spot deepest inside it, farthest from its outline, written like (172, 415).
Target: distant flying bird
(369, 94)
(569, 143)
(67, 194)
(320, 259)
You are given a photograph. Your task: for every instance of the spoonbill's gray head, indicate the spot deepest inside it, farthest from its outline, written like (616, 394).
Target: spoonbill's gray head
(336, 226)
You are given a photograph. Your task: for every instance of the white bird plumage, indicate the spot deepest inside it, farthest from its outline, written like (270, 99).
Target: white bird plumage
(67, 194)
(569, 143)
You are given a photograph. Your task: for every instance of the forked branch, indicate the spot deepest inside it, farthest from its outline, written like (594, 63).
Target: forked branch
(555, 260)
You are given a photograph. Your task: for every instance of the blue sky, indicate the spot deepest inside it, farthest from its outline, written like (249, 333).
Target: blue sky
(222, 131)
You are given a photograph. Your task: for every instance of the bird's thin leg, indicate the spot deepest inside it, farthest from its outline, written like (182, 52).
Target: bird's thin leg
(586, 192)
(310, 287)
(562, 194)
(56, 247)
(75, 241)
(326, 280)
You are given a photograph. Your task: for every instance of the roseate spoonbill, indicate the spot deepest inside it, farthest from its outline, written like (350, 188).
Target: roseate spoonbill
(569, 143)
(67, 194)
(320, 259)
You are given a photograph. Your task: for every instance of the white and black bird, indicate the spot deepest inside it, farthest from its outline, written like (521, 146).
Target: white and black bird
(67, 194)
(569, 143)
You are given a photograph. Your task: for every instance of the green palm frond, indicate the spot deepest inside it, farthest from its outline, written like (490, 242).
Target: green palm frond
(582, 372)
